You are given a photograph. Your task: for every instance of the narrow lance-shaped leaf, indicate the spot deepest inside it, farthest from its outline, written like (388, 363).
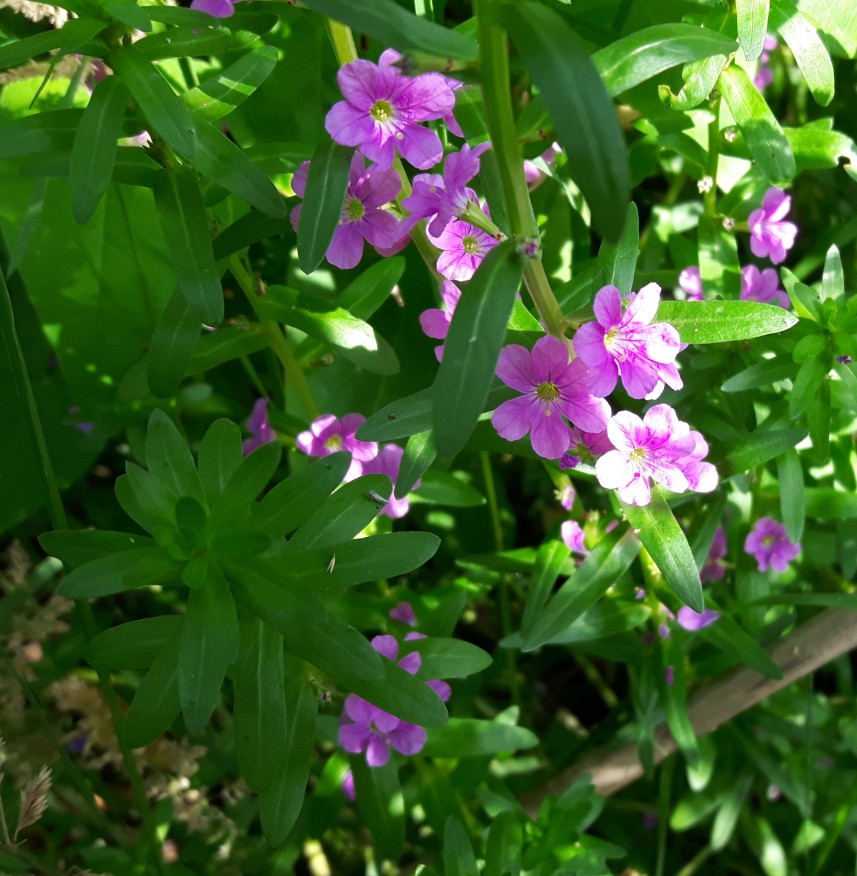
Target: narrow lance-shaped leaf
(718, 258)
(419, 455)
(666, 542)
(713, 322)
(752, 26)
(184, 221)
(792, 500)
(322, 204)
(219, 456)
(765, 139)
(833, 280)
(472, 348)
(700, 78)
(618, 261)
(379, 798)
(173, 342)
(760, 447)
(806, 45)
(94, 152)
(169, 458)
(133, 645)
(581, 109)
(163, 110)
(642, 55)
(69, 38)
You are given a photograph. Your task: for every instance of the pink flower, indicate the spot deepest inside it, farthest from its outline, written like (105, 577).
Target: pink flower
(714, 570)
(769, 543)
(435, 322)
(762, 286)
(553, 388)
(691, 281)
(382, 111)
(584, 446)
(565, 496)
(405, 613)
(691, 620)
(362, 216)
(446, 196)
(572, 535)
(623, 344)
(532, 173)
(259, 427)
(348, 786)
(217, 8)
(660, 447)
(463, 247)
(770, 236)
(327, 435)
(388, 461)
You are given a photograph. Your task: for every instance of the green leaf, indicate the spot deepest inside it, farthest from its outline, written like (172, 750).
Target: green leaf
(752, 26)
(78, 546)
(504, 845)
(419, 455)
(285, 506)
(458, 856)
(761, 374)
(227, 165)
(156, 703)
(173, 343)
(580, 106)
(209, 643)
(321, 208)
(760, 447)
(732, 640)
(355, 339)
(391, 25)
(45, 132)
(792, 504)
(363, 296)
(472, 737)
(810, 377)
(129, 13)
(133, 645)
(120, 571)
(618, 261)
(607, 561)
(169, 458)
(804, 299)
(472, 348)
(230, 87)
(667, 544)
(94, 152)
(674, 698)
(219, 457)
(227, 343)
(606, 618)
(718, 258)
(826, 503)
(381, 805)
(443, 488)
(727, 815)
(260, 704)
(762, 132)
(714, 322)
(833, 280)
(280, 805)
(642, 55)
(820, 600)
(402, 418)
(68, 39)
(552, 556)
(448, 658)
(187, 42)
(184, 220)
(806, 45)
(344, 514)
(246, 482)
(164, 112)
(700, 77)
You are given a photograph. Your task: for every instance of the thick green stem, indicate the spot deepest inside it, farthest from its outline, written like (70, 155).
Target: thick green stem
(494, 60)
(342, 40)
(281, 348)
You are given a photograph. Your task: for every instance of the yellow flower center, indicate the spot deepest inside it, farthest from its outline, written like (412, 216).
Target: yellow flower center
(767, 541)
(354, 210)
(334, 442)
(610, 337)
(638, 454)
(381, 111)
(547, 392)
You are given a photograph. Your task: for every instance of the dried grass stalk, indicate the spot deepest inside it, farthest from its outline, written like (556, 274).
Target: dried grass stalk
(34, 800)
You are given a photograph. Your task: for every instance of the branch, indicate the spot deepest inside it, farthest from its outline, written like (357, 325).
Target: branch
(828, 635)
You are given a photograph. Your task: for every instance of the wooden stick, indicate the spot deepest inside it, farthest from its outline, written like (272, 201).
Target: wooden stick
(823, 638)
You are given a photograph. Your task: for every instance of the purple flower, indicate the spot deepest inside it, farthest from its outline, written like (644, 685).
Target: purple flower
(624, 344)
(259, 427)
(404, 612)
(327, 434)
(584, 446)
(691, 620)
(463, 247)
(553, 387)
(445, 197)
(362, 216)
(769, 543)
(572, 535)
(435, 322)
(348, 786)
(217, 8)
(388, 461)
(770, 236)
(532, 173)
(714, 570)
(565, 496)
(660, 447)
(669, 675)
(441, 688)
(762, 286)
(382, 111)
(691, 281)
(763, 78)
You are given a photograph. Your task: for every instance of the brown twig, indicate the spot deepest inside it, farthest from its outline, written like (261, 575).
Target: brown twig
(828, 635)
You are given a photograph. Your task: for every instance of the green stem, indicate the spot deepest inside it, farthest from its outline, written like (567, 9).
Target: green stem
(710, 199)
(59, 520)
(494, 62)
(277, 340)
(342, 40)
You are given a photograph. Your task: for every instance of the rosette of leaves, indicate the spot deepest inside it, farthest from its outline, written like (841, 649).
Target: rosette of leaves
(258, 603)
